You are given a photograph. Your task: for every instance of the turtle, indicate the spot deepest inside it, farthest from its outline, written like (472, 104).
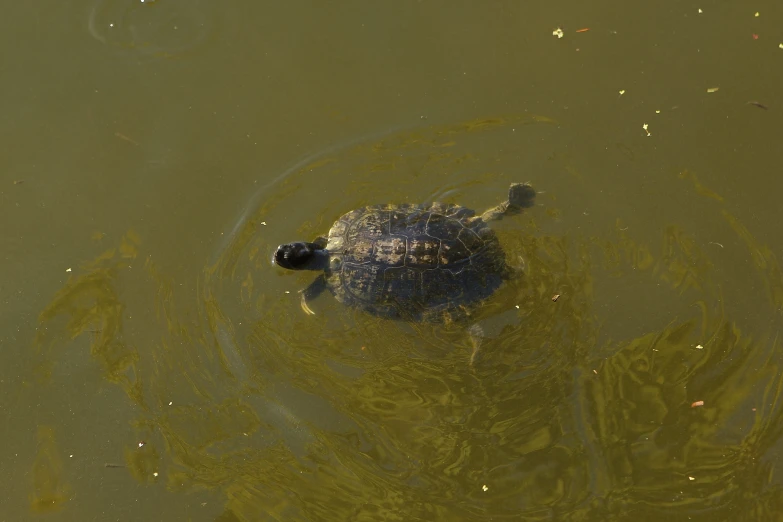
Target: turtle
(432, 262)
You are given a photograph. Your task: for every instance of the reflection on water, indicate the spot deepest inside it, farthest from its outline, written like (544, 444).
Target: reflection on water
(49, 491)
(161, 28)
(343, 416)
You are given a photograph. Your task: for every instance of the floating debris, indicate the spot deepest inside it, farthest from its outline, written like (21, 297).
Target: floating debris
(18, 181)
(759, 105)
(555, 298)
(125, 138)
(583, 30)
(484, 487)
(558, 32)
(644, 126)
(621, 91)
(713, 89)
(699, 347)
(691, 478)
(697, 404)
(67, 269)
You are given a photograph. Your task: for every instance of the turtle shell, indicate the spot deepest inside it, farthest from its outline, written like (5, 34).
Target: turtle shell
(429, 263)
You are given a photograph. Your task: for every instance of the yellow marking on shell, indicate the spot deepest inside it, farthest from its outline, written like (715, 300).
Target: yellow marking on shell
(423, 252)
(361, 250)
(391, 251)
(443, 258)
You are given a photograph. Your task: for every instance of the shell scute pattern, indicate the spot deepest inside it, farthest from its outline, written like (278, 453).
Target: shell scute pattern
(413, 261)
(390, 251)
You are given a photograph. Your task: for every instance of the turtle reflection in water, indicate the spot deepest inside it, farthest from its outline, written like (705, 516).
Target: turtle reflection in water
(434, 262)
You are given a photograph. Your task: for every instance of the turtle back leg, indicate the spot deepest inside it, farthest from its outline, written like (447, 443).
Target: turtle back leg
(520, 196)
(476, 333)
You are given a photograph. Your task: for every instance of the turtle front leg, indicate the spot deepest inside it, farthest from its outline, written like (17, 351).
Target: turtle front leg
(311, 292)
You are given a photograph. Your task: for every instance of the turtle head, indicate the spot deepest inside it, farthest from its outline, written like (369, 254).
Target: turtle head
(301, 256)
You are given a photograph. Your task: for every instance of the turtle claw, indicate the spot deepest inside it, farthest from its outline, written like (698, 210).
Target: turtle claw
(311, 292)
(303, 304)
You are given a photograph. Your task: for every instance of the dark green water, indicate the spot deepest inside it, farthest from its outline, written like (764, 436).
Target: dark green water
(156, 365)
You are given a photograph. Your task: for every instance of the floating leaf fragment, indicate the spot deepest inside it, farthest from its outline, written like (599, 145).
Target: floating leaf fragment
(555, 298)
(558, 32)
(699, 347)
(691, 478)
(757, 14)
(644, 126)
(697, 404)
(781, 46)
(713, 89)
(621, 91)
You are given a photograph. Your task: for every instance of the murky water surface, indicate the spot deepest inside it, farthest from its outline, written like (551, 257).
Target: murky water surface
(157, 365)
